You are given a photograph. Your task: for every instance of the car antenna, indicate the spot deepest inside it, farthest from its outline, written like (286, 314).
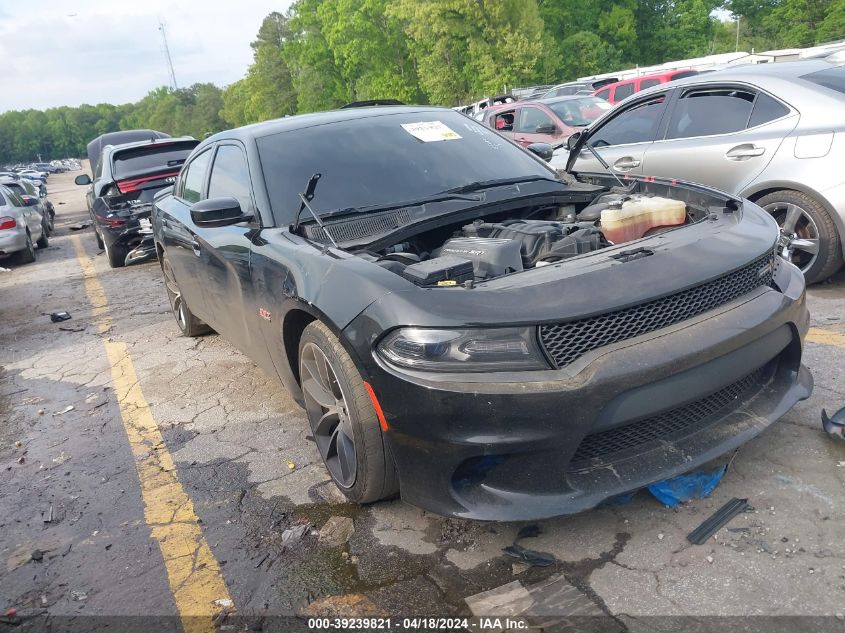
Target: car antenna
(305, 198)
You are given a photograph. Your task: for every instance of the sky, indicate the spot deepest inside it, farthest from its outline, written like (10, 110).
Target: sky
(60, 52)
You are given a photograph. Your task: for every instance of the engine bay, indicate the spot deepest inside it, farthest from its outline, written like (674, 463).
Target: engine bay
(504, 243)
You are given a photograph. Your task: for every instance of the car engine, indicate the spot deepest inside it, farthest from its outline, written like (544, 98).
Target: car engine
(487, 249)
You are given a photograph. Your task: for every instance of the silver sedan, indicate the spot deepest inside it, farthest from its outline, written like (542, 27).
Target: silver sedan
(772, 133)
(21, 227)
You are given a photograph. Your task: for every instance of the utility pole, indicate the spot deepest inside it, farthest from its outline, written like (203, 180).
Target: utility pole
(738, 18)
(167, 55)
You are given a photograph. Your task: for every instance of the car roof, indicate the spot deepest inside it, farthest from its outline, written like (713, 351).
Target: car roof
(148, 142)
(781, 79)
(299, 121)
(563, 98)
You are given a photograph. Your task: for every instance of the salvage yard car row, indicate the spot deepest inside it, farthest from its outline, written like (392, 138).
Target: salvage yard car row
(373, 257)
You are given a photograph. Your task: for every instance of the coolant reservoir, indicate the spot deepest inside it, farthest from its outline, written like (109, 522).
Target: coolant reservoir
(636, 216)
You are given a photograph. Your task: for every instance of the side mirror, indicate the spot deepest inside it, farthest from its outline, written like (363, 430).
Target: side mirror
(572, 141)
(547, 129)
(542, 150)
(82, 179)
(217, 212)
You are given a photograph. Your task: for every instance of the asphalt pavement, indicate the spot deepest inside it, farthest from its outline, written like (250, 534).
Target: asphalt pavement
(147, 474)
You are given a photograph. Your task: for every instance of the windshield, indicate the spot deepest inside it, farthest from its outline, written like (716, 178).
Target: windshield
(151, 158)
(580, 112)
(376, 161)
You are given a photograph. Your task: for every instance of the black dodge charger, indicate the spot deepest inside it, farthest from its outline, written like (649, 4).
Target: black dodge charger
(466, 327)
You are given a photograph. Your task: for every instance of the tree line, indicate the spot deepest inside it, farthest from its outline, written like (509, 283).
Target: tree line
(321, 54)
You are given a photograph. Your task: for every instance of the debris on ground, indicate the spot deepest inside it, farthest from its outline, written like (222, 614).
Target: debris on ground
(65, 328)
(291, 465)
(47, 517)
(78, 595)
(224, 602)
(58, 317)
(21, 459)
(337, 531)
(353, 605)
(37, 555)
(18, 444)
(61, 458)
(834, 425)
(80, 226)
(530, 556)
(294, 534)
(68, 408)
(554, 596)
(718, 519)
(5, 270)
(698, 485)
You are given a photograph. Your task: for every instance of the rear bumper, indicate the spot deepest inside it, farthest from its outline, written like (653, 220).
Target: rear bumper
(137, 241)
(12, 241)
(542, 444)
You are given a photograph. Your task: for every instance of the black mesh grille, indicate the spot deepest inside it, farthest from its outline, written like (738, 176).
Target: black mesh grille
(346, 230)
(668, 425)
(566, 341)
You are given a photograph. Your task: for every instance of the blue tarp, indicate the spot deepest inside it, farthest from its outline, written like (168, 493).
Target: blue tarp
(698, 485)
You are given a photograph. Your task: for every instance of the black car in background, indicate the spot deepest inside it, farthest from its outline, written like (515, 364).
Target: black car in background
(95, 147)
(119, 198)
(455, 321)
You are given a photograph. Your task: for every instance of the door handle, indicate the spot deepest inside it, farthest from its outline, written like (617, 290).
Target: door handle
(744, 152)
(195, 245)
(626, 163)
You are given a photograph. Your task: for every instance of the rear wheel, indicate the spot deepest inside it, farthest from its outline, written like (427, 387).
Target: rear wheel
(116, 255)
(27, 255)
(343, 420)
(809, 238)
(185, 319)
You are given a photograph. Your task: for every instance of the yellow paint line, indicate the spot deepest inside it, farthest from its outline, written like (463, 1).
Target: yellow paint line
(192, 571)
(825, 337)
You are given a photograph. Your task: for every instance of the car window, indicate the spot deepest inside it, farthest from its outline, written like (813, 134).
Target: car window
(603, 94)
(648, 83)
(393, 158)
(142, 160)
(580, 112)
(503, 121)
(99, 169)
(15, 199)
(230, 177)
(193, 178)
(16, 188)
(636, 124)
(623, 91)
(766, 109)
(532, 119)
(831, 78)
(684, 73)
(707, 111)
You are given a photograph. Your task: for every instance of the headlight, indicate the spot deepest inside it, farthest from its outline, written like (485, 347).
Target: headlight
(495, 349)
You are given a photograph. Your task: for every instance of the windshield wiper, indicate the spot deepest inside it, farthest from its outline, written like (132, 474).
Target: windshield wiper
(440, 197)
(498, 182)
(305, 198)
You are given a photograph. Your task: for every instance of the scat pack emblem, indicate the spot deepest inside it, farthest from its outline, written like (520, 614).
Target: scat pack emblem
(264, 314)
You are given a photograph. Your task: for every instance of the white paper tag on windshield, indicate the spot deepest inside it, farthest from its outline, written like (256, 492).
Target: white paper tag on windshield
(430, 131)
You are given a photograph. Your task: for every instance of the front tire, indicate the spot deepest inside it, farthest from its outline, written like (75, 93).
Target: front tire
(185, 319)
(343, 420)
(814, 244)
(44, 240)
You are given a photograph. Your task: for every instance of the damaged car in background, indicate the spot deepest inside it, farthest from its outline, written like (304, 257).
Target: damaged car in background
(468, 328)
(126, 177)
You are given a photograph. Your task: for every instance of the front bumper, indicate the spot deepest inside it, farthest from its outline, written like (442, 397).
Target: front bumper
(12, 241)
(540, 444)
